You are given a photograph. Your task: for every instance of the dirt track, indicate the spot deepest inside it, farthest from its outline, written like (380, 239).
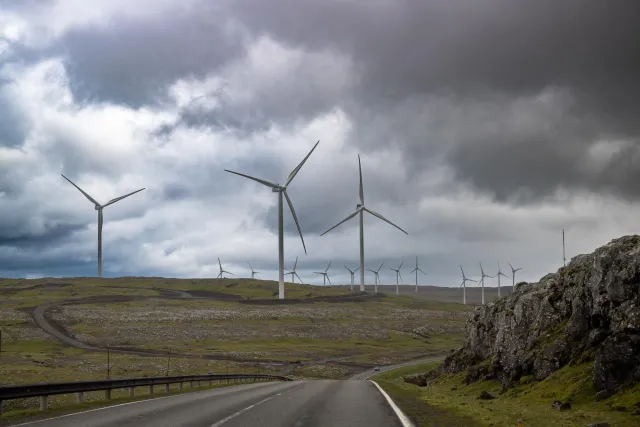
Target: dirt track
(42, 318)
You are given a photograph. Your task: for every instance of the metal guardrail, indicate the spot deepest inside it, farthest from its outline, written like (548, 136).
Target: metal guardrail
(50, 389)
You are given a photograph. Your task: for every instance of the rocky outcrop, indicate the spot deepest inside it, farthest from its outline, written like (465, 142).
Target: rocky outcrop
(587, 311)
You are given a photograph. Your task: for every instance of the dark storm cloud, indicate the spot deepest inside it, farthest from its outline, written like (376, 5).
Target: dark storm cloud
(476, 50)
(133, 61)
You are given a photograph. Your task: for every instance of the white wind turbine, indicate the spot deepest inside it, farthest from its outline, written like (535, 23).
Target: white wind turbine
(361, 209)
(416, 271)
(253, 272)
(482, 276)
(500, 273)
(351, 272)
(282, 190)
(99, 208)
(376, 274)
(463, 285)
(513, 276)
(397, 270)
(325, 275)
(293, 272)
(223, 270)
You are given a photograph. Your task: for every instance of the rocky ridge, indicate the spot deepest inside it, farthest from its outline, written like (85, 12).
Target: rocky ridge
(586, 312)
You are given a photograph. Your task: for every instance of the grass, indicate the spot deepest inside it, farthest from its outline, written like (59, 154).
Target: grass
(448, 400)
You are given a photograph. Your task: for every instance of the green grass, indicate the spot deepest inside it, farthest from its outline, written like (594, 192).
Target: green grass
(529, 401)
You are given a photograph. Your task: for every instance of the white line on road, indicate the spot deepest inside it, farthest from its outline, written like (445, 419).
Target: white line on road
(404, 420)
(224, 420)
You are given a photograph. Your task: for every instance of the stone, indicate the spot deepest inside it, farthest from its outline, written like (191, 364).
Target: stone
(561, 406)
(485, 395)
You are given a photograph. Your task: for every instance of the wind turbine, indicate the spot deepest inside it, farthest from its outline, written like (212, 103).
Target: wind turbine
(352, 272)
(398, 275)
(99, 208)
(293, 272)
(500, 273)
(482, 276)
(253, 272)
(376, 277)
(325, 275)
(416, 271)
(222, 270)
(282, 190)
(463, 285)
(361, 209)
(513, 275)
(564, 258)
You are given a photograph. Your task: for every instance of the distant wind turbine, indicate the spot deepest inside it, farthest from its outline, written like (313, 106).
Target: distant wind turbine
(513, 275)
(99, 208)
(351, 272)
(282, 190)
(564, 258)
(416, 271)
(293, 272)
(376, 274)
(223, 270)
(361, 209)
(500, 273)
(397, 270)
(325, 275)
(463, 285)
(253, 272)
(482, 276)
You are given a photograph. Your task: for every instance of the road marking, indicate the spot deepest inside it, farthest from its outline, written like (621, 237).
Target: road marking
(123, 404)
(404, 420)
(224, 420)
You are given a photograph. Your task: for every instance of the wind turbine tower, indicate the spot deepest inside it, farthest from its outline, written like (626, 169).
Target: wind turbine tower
(397, 270)
(500, 273)
(416, 271)
(351, 272)
(376, 276)
(99, 208)
(282, 190)
(222, 270)
(513, 275)
(293, 272)
(361, 209)
(463, 285)
(253, 272)
(482, 280)
(325, 275)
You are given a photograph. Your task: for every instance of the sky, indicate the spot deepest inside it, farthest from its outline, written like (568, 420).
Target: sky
(484, 127)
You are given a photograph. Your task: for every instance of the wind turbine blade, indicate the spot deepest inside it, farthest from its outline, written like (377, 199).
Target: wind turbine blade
(380, 266)
(518, 269)
(295, 218)
(219, 263)
(295, 264)
(415, 269)
(261, 181)
(357, 268)
(348, 269)
(295, 171)
(250, 265)
(373, 271)
(329, 280)
(361, 187)
(298, 277)
(328, 266)
(384, 219)
(510, 265)
(117, 199)
(317, 272)
(343, 221)
(422, 272)
(400, 266)
(471, 280)
(462, 271)
(228, 272)
(91, 199)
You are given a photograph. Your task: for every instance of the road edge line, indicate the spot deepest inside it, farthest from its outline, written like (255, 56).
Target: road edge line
(404, 420)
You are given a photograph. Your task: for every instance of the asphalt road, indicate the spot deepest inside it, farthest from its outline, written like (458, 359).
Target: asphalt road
(366, 374)
(321, 403)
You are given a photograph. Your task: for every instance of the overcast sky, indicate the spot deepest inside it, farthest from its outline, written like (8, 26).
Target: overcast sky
(485, 127)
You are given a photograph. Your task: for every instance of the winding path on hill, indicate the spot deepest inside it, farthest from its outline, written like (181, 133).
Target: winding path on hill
(41, 315)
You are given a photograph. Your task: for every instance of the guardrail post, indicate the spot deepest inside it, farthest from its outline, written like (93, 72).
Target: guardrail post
(166, 388)
(44, 403)
(132, 391)
(199, 383)
(1, 404)
(151, 389)
(79, 397)
(179, 386)
(107, 394)
(210, 382)
(190, 384)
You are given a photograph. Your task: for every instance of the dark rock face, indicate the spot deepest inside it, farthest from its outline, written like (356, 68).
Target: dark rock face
(590, 308)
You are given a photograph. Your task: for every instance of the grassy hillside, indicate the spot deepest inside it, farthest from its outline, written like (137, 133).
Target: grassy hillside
(448, 401)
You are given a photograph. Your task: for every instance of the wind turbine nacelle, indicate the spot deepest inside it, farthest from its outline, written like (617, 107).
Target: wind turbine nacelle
(276, 190)
(96, 207)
